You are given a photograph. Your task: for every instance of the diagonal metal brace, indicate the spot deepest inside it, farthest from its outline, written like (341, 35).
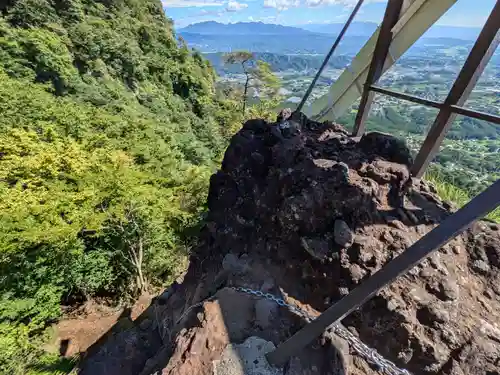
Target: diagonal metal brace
(449, 228)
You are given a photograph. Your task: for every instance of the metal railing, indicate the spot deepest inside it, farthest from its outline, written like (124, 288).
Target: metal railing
(329, 55)
(478, 58)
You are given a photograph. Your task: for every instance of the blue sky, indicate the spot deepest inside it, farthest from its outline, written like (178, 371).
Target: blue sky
(297, 12)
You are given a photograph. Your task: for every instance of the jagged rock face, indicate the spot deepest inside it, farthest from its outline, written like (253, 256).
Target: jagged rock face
(300, 186)
(309, 218)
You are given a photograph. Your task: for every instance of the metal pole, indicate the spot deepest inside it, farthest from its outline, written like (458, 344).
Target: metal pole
(476, 114)
(405, 96)
(332, 50)
(477, 208)
(455, 109)
(416, 18)
(382, 47)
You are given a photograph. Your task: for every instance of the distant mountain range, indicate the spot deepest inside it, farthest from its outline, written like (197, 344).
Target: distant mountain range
(367, 29)
(282, 44)
(242, 28)
(364, 29)
(317, 39)
(356, 28)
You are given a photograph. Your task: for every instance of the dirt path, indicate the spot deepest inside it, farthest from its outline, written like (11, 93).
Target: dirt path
(76, 334)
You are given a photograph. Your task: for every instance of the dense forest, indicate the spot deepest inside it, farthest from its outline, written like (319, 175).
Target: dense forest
(109, 130)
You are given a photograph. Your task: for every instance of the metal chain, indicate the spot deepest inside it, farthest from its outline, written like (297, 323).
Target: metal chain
(190, 308)
(371, 355)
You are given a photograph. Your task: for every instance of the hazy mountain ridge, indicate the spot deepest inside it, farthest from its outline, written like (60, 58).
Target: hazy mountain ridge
(368, 28)
(255, 36)
(356, 28)
(365, 29)
(281, 44)
(242, 28)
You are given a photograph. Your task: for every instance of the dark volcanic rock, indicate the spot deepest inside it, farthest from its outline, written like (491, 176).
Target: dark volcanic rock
(316, 247)
(387, 147)
(343, 234)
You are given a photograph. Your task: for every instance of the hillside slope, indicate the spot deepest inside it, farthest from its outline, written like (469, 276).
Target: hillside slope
(109, 130)
(307, 219)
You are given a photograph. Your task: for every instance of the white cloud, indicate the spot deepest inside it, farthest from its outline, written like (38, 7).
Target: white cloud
(191, 3)
(286, 4)
(234, 6)
(281, 4)
(347, 3)
(205, 12)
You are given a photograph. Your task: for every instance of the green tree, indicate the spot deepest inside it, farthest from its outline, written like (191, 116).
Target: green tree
(243, 58)
(258, 76)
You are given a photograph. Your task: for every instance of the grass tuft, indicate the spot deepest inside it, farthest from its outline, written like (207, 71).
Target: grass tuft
(449, 192)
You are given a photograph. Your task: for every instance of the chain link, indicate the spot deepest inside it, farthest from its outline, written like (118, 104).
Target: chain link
(371, 355)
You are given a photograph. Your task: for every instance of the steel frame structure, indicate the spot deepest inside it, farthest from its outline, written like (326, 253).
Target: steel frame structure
(416, 17)
(385, 36)
(478, 58)
(477, 208)
(329, 55)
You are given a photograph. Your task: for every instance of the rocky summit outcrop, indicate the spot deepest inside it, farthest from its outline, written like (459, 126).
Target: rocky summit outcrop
(308, 217)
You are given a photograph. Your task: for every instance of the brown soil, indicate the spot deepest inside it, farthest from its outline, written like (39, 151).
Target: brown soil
(93, 322)
(309, 218)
